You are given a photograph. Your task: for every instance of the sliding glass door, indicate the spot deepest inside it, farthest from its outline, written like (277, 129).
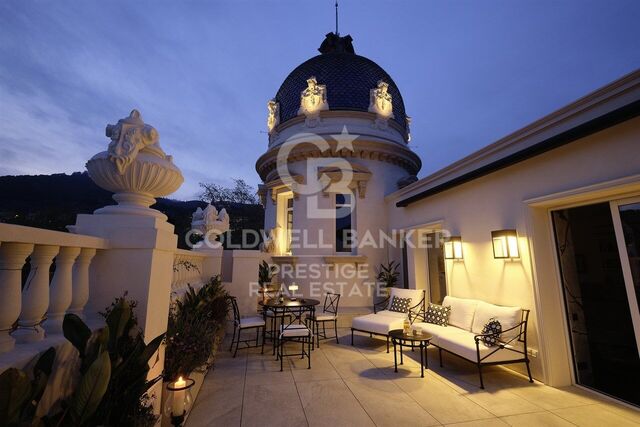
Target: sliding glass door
(598, 248)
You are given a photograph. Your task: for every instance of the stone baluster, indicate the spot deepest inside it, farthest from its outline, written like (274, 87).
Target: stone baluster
(61, 289)
(12, 258)
(80, 281)
(35, 295)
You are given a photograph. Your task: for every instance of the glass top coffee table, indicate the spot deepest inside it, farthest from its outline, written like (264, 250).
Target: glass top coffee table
(400, 339)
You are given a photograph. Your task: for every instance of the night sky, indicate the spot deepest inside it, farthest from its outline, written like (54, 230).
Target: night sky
(202, 72)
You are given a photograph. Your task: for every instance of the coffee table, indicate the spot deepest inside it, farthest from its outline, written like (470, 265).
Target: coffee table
(400, 339)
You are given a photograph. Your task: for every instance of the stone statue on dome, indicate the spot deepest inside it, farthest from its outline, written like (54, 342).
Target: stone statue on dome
(273, 119)
(313, 100)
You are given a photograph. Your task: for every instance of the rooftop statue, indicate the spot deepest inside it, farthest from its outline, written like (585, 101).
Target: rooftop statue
(313, 100)
(209, 221)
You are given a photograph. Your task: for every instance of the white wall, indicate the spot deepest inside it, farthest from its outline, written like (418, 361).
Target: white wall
(498, 201)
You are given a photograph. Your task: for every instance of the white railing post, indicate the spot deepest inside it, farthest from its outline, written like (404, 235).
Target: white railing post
(60, 290)
(12, 258)
(80, 281)
(35, 295)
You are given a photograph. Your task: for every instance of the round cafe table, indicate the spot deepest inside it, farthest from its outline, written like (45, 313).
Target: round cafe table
(288, 306)
(399, 339)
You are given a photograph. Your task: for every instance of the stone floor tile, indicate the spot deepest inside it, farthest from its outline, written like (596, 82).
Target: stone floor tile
(536, 419)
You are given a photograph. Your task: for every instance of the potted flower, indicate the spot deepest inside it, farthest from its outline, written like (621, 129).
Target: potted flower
(388, 275)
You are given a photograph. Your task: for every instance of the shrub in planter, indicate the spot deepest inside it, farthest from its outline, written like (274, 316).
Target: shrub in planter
(114, 365)
(195, 322)
(20, 392)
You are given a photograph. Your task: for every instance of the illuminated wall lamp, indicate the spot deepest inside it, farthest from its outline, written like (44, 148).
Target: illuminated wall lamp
(453, 248)
(505, 244)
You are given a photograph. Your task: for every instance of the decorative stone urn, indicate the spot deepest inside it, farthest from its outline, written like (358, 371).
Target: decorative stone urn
(135, 168)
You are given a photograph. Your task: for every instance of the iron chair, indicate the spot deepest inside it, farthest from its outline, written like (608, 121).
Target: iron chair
(240, 324)
(294, 331)
(329, 314)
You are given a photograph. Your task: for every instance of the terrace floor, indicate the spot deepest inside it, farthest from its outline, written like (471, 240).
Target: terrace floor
(356, 386)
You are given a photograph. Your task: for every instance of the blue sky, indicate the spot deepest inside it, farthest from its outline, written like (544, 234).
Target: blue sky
(201, 72)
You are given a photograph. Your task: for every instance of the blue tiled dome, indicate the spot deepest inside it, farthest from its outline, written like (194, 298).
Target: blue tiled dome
(348, 78)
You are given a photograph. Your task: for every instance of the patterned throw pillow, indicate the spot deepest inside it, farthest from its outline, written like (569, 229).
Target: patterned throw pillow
(494, 328)
(438, 314)
(400, 305)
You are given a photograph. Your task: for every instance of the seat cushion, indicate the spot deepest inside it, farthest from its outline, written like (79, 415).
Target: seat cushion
(378, 323)
(462, 311)
(507, 316)
(295, 331)
(390, 313)
(463, 344)
(323, 316)
(249, 322)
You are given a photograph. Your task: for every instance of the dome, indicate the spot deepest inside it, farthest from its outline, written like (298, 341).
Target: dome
(348, 78)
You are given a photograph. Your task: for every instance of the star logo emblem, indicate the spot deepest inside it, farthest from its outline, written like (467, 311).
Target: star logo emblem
(344, 140)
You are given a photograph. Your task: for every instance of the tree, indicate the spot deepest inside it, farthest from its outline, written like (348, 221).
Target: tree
(241, 192)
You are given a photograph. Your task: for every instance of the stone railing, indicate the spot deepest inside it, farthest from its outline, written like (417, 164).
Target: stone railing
(188, 269)
(38, 303)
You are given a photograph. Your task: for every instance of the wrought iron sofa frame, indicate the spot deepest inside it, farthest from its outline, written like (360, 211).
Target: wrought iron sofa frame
(520, 337)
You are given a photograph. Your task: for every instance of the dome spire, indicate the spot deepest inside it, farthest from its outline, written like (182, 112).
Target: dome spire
(337, 32)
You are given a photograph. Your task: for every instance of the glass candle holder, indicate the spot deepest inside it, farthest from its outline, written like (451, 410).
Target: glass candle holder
(179, 400)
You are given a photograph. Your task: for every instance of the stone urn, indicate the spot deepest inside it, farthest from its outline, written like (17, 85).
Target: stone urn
(135, 168)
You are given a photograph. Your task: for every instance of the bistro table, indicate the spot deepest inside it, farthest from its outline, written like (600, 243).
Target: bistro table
(280, 309)
(399, 338)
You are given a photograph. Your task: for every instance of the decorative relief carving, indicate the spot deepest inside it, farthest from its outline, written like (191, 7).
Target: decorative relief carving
(273, 119)
(380, 103)
(313, 100)
(408, 129)
(209, 221)
(129, 137)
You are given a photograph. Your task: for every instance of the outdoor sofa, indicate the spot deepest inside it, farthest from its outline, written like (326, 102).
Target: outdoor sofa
(462, 336)
(383, 320)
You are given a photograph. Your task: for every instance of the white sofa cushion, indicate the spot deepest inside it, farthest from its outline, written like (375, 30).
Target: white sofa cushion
(462, 311)
(389, 313)
(463, 344)
(416, 295)
(378, 323)
(507, 316)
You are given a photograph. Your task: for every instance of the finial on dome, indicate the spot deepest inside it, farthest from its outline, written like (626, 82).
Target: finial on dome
(333, 43)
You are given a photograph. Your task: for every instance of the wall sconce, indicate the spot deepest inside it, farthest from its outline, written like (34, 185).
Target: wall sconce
(505, 244)
(453, 248)
(292, 289)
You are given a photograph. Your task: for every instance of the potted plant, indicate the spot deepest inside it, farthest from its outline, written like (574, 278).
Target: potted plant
(388, 275)
(265, 275)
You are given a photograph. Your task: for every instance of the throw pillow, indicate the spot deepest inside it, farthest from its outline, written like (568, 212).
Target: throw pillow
(400, 305)
(437, 314)
(491, 332)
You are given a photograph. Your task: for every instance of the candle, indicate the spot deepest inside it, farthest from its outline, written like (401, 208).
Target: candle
(178, 397)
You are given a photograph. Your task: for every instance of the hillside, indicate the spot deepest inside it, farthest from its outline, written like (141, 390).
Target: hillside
(53, 201)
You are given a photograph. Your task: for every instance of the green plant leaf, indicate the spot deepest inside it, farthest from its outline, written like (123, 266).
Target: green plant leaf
(96, 346)
(151, 348)
(41, 372)
(117, 321)
(76, 331)
(93, 385)
(15, 389)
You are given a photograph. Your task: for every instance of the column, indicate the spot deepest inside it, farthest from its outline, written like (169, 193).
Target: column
(12, 258)
(61, 287)
(80, 281)
(35, 295)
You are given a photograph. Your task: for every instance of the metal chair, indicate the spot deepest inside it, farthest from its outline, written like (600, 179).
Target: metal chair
(245, 323)
(294, 332)
(329, 314)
